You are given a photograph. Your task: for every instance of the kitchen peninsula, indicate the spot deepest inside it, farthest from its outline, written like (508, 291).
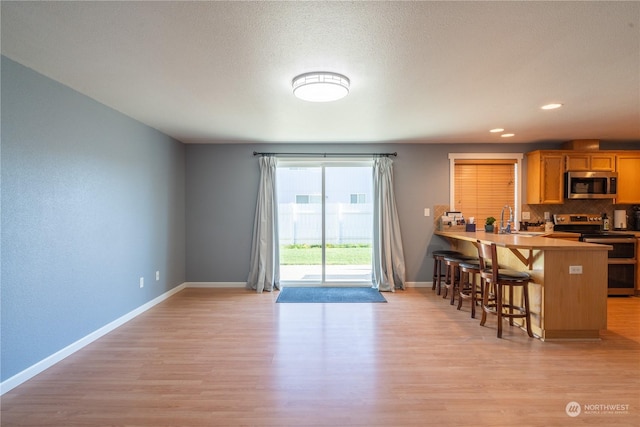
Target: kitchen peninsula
(568, 292)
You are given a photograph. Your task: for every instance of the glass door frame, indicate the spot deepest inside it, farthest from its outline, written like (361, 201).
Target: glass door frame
(323, 163)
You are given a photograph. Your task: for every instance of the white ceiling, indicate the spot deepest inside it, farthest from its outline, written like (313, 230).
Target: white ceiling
(426, 72)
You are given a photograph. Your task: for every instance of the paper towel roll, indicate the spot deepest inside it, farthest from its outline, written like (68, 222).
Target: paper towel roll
(620, 219)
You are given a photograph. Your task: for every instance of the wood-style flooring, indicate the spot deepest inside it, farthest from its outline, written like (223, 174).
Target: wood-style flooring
(231, 357)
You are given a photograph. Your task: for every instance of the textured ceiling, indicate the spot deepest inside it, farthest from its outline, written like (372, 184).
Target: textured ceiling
(420, 71)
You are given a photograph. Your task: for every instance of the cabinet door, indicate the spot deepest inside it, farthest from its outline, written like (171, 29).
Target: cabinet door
(545, 177)
(590, 162)
(628, 167)
(578, 162)
(638, 267)
(603, 162)
(552, 179)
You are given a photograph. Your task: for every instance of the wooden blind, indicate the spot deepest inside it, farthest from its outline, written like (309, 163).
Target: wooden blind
(483, 187)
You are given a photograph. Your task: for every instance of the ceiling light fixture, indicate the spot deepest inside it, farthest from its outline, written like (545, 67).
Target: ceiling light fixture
(507, 135)
(496, 130)
(551, 106)
(320, 86)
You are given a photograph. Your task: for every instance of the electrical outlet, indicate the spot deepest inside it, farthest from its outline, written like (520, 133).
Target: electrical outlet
(526, 215)
(575, 269)
(142, 282)
(157, 275)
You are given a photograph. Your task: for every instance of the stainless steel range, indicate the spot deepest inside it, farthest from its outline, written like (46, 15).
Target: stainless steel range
(622, 258)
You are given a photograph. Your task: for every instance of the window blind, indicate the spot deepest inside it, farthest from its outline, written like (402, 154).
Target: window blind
(483, 187)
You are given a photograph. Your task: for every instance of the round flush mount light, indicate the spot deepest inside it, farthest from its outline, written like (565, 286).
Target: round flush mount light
(551, 106)
(320, 86)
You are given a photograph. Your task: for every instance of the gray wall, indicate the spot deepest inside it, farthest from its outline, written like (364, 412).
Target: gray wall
(91, 201)
(222, 186)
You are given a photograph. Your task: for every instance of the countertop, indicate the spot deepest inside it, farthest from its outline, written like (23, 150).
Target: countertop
(524, 241)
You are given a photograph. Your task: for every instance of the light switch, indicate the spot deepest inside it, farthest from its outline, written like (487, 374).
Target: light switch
(427, 211)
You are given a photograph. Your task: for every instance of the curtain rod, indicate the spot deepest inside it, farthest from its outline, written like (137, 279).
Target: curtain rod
(394, 154)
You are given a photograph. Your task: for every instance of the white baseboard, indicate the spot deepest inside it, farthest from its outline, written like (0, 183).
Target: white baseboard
(49, 361)
(244, 284)
(215, 284)
(418, 284)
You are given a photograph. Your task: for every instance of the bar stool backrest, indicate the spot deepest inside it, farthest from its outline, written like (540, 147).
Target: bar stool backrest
(488, 255)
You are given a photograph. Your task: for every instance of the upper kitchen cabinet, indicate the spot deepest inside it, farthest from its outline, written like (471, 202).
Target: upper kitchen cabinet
(577, 161)
(628, 168)
(545, 177)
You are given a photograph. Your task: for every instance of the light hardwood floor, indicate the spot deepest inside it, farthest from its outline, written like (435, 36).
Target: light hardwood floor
(229, 357)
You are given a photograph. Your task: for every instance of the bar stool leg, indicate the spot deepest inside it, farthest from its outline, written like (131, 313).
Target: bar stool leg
(474, 295)
(510, 305)
(436, 272)
(441, 273)
(499, 307)
(485, 301)
(455, 286)
(525, 292)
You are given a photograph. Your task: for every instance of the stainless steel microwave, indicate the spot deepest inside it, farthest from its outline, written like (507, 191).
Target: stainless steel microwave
(591, 185)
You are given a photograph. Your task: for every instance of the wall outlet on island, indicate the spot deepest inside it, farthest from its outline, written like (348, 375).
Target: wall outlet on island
(575, 269)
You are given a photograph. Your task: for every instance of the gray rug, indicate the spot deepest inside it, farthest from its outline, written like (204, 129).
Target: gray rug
(329, 295)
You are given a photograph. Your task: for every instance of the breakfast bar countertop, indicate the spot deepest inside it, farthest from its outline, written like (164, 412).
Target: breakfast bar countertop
(523, 240)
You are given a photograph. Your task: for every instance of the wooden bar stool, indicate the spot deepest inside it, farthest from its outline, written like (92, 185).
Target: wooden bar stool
(439, 272)
(452, 263)
(468, 288)
(499, 284)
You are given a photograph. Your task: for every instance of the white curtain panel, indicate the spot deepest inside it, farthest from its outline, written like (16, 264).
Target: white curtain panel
(264, 274)
(388, 256)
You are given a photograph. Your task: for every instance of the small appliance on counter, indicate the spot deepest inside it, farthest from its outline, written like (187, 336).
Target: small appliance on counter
(620, 219)
(451, 219)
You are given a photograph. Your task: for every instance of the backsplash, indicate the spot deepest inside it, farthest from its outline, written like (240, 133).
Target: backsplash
(594, 206)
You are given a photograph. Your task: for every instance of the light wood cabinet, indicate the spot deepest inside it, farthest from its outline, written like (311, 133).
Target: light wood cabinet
(578, 161)
(628, 168)
(545, 176)
(638, 267)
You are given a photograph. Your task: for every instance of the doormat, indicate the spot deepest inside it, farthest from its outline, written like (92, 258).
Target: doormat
(329, 295)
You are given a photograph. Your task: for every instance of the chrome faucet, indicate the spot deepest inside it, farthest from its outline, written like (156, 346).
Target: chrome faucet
(507, 229)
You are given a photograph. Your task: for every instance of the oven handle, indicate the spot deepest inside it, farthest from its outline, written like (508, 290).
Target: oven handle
(607, 241)
(619, 261)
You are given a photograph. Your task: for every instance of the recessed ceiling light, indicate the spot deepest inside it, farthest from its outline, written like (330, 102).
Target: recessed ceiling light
(496, 130)
(507, 135)
(551, 106)
(320, 86)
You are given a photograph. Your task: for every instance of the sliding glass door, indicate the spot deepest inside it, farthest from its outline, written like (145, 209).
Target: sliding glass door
(325, 221)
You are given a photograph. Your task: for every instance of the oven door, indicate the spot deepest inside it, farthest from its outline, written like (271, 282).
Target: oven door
(621, 263)
(622, 278)
(623, 248)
